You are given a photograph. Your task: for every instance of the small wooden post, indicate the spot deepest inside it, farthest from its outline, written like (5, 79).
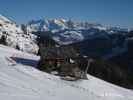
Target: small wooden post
(88, 65)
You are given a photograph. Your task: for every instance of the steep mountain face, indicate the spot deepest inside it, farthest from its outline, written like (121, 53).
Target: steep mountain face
(9, 26)
(15, 37)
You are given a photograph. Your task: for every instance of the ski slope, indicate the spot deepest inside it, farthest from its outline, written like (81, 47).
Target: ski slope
(20, 80)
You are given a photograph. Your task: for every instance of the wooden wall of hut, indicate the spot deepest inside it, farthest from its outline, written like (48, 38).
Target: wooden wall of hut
(58, 58)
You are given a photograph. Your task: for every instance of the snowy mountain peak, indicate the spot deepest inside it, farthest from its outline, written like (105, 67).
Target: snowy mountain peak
(3, 18)
(66, 31)
(8, 25)
(15, 36)
(55, 25)
(46, 25)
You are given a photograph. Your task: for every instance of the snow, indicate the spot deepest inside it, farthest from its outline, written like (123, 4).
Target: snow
(56, 25)
(16, 36)
(68, 31)
(4, 18)
(68, 37)
(20, 80)
(46, 25)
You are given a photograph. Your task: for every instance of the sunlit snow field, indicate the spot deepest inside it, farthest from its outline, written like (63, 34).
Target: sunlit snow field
(22, 81)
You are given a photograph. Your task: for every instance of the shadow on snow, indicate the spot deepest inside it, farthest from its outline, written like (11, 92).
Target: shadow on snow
(25, 61)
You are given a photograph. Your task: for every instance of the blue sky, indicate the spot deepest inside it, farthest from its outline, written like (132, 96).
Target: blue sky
(108, 12)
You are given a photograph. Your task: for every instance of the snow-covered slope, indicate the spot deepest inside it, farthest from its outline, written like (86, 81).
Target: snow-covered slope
(19, 80)
(16, 37)
(9, 26)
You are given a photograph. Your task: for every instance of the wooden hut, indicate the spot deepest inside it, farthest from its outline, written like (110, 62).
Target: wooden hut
(63, 59)
(57, 55)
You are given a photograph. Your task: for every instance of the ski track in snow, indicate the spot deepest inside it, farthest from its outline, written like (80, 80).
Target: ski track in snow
(21, 82)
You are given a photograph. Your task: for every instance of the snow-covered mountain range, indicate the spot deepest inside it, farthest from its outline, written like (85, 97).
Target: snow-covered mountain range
(62, 31)
(69, 31)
